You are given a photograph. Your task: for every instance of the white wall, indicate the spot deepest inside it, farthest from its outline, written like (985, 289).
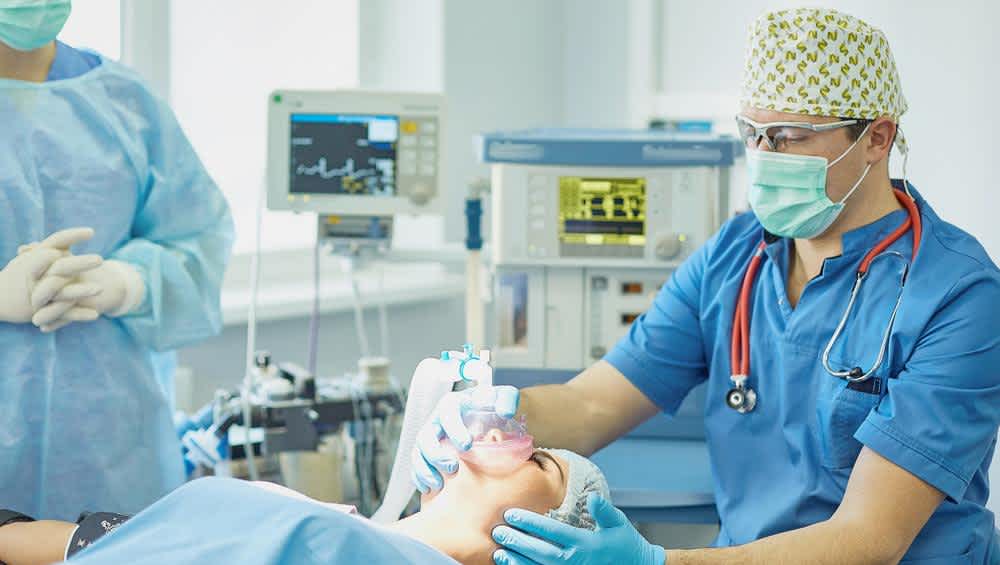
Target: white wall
(947, 58)
(503, 66)
(608, 63)
(401, 45)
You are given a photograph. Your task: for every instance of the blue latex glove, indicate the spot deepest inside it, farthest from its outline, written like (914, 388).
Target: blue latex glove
(184, 424)
(539, 540)
(429, 458)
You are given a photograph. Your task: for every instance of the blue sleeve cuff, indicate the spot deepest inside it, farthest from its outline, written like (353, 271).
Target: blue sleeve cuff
(667, 398)
(906, 452)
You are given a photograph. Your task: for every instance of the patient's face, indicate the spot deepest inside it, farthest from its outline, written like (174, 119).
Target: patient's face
(476, 494)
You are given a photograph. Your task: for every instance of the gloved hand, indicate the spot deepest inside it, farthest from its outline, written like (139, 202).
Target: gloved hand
(121, 290)
(429, 457)
(544, 541)
(48, 261)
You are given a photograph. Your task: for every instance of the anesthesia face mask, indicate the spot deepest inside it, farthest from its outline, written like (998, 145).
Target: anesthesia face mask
(499, 444)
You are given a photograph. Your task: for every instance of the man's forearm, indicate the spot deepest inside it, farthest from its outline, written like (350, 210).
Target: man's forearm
(824, 543)
(593, 409)
(554, 416)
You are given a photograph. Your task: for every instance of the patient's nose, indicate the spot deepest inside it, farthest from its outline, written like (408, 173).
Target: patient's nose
(494, 436)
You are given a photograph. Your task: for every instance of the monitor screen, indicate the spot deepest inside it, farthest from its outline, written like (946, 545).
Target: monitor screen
(602, 211)
(343, 154)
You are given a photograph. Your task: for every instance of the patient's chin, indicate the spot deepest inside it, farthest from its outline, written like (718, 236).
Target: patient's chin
(429, 497)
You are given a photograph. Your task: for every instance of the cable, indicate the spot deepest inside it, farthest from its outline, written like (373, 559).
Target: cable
(358, 455)
(397, 389)
(376, 491)
(388, 438)
(359, 399)
(363, 449)
(248, 375)
(368, 427)
(314, 319)
(359, 320)
(906, 180)
(383, 315)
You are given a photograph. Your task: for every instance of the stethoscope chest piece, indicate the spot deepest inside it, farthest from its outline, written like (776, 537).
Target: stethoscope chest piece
(741, 399)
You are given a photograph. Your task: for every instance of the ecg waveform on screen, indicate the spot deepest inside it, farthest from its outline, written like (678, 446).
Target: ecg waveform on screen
(351, 179)
(319, 169)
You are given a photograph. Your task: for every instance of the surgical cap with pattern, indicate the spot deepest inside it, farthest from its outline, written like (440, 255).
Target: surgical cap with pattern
(821, 62)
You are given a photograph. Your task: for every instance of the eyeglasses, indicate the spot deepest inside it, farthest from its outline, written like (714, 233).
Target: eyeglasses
(780, 135)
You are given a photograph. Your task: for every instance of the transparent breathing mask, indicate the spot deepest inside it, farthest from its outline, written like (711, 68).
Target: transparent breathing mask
(499, 445)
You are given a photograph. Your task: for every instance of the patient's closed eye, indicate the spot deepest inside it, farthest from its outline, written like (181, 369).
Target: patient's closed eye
(538, 460)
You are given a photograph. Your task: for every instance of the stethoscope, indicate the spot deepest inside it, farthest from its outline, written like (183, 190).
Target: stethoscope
(741, 397)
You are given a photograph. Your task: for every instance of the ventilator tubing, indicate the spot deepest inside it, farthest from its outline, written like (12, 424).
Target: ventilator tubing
(429, 384)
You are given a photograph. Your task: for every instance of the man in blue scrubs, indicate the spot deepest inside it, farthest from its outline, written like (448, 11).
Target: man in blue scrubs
(86, 343)
(809, 467)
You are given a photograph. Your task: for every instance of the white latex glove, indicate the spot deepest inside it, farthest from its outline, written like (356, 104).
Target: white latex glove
(121, 291)
(22, 276)
(63, 278)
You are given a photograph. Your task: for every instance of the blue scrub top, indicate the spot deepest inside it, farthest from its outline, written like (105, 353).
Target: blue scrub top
(71, 63)
(934, 409)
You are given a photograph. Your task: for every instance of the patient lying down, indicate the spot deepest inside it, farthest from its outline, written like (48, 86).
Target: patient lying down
(230, 521)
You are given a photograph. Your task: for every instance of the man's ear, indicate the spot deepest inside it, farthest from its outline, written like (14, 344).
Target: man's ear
(881, 134)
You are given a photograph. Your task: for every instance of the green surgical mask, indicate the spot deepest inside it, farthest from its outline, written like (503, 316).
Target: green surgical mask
(788, 192)
(27, 25)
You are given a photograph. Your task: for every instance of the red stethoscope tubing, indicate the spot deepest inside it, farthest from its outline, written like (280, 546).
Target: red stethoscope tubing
(739, 357)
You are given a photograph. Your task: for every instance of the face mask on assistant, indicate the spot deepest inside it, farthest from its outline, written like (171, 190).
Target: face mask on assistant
(26, 25)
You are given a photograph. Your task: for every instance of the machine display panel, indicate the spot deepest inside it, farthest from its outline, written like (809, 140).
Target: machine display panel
(602, 211)
(343, 154)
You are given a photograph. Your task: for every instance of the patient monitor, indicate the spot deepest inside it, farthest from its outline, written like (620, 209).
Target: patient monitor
(354, 152)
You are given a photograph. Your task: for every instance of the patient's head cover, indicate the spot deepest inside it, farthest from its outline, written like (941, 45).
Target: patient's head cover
(584, 478)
